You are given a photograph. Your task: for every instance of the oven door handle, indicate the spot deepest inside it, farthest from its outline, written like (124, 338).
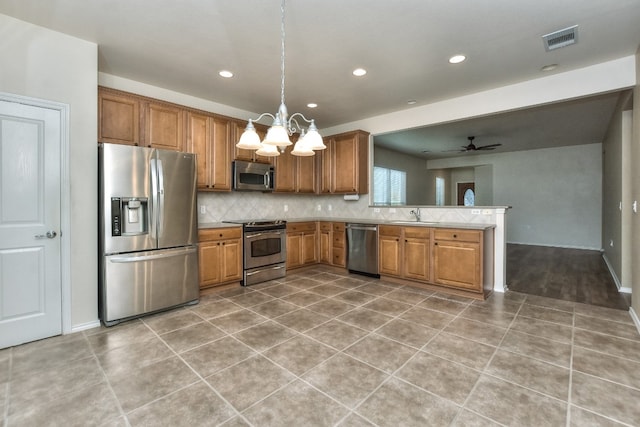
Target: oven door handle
(251, 236)
(277, 267)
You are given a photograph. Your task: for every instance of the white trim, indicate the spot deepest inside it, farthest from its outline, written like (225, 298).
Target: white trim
(623, 289)
(85, 326)
(65, 197)
(635, 318)
(586, 248)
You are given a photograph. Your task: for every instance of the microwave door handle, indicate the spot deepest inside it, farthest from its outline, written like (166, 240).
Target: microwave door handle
(267, 180)
(154, 198)
(160, 199)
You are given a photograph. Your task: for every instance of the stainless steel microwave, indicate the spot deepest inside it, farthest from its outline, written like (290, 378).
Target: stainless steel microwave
(250, 176)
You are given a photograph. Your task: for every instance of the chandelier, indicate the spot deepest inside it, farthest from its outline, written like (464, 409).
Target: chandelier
(283, 125)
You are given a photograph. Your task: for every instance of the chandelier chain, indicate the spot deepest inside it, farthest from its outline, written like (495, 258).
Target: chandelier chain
(282, 37)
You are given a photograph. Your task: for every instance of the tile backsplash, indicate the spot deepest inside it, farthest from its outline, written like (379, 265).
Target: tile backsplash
(239, 205)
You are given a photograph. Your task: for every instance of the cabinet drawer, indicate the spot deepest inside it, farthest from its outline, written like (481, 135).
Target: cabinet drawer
(417, 232)
(457, 235)
(338, 257)
(389, 230)
(301, 226)
(219, 234)
(338, 227)
(325, 226)
(338, 241)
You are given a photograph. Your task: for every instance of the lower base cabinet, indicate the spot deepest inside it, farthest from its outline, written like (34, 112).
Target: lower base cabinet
(302, 246)
(220, 253)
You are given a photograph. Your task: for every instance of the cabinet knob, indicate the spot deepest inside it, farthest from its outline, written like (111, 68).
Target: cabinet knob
(435, 244)
(455, 235)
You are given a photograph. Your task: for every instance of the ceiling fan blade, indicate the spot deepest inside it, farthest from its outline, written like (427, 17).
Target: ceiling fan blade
(488, 147)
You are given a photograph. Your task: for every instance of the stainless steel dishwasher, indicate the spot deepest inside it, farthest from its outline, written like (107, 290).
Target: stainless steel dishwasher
(362, 244)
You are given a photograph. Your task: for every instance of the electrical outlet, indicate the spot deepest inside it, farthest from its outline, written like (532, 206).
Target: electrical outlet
(286, 208)
(203, 209)
(376, 210)
(611, 242)
(319, 208)
(486, 212)
(329, 207)
(475, 211)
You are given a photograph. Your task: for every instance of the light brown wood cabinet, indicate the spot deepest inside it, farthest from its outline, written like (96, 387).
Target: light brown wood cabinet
(338, 246)
(118, 118)
(457, 259)
(302, 244)
(210, 138)
(220, 256)
(164, 126)
(344, 164)
(324, 236)
(295, 174)
(442, 256)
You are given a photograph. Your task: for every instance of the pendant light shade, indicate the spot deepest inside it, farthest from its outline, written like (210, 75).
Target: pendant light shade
(268, 151)
(314, 140)
(250, 140)
(302, 147)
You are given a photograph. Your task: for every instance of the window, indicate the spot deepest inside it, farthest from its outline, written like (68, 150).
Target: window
(439, 191)
(390, 186)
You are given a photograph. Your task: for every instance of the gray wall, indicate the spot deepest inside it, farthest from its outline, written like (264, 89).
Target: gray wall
(555, 193)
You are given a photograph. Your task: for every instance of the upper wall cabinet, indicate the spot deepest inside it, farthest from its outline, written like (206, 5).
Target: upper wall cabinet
(119, 118)
(344, 164)
(164, 126)
(210, 138)
(295, 174)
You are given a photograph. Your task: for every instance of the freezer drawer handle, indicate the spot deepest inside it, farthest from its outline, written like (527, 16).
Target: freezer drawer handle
(151, 257)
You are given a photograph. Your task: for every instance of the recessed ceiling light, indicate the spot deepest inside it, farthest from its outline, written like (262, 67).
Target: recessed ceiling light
(411, 101)
(456, 59)
(312, 105)
(549, 67)
(359, 72)
(226, 74)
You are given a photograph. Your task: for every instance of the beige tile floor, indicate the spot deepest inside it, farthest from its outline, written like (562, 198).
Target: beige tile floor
(319, 348)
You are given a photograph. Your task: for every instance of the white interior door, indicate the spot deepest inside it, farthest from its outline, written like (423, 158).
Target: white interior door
(30, 279)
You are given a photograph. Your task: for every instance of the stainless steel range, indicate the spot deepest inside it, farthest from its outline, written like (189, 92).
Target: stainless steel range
(265, 250)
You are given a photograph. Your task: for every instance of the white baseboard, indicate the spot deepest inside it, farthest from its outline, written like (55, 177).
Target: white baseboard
(635, 318)
(85, 326)
(586, 248)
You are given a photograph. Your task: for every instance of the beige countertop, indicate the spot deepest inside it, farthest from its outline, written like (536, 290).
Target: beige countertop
(460, 225)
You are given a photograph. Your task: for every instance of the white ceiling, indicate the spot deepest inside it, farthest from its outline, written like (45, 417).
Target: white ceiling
(404, 45)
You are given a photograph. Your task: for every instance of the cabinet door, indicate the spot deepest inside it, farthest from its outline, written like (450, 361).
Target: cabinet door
(346, 168)
(325, 247)
(306, 176)
(325, 163)
(164, 126)
(389, 259)
(285, 172)
(416, 258)
(231, 260)
(294, 250)
(457, 264)
(118, 118)
(222, 135)
(198, 137)
(309, 248)
(209, 253)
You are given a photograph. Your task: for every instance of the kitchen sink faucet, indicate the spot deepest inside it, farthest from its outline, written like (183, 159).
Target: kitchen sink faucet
(416, 212)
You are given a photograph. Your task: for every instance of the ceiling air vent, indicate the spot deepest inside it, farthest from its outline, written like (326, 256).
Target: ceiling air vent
(561, 38)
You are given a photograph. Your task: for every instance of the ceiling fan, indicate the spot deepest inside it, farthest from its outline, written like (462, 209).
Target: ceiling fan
(472, 146)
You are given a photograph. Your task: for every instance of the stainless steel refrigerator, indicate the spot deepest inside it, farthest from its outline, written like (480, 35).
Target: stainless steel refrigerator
(148, 233)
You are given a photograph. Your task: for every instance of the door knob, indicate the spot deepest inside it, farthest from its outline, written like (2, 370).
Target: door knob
(48, 235)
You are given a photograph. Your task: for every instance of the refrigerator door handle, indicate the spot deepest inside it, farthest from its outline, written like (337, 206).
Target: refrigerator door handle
(164, 254)
(154, 199)
(161, 199)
